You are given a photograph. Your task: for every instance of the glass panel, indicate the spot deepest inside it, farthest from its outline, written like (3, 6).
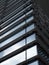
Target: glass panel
(30, 27)
(15, 60)
(31, 52)
(12, 38)
(12, 30)
(31, 38)
(13, 23)
(34, 63)
(13, 48)
(30, 19)
(1, 54)
(29, 12)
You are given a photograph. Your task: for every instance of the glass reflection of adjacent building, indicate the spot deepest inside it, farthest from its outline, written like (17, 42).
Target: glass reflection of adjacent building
(19, 37)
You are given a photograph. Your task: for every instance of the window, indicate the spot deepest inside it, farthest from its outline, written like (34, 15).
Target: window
(30, 27)
(15, 60)
(34, 63)
(30, 19)
(31, 52)
(31, 38)
(21, 57)
(12, 30)
(12, 48)
(17, 45)
(12, 38)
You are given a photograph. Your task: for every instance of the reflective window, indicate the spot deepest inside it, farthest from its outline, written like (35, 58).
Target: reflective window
(31, 52)
(23, 15)
(31, 38)
(15, 60)
(12, 30)
(14, 23)
(1, 54)
(30, 19)
(13, 37)
(34, 63)
(12, 48)
(30, 27)
(17, 45)
(21, 57)
(29, 12)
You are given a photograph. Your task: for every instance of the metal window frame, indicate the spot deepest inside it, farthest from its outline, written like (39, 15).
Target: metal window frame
(17, 30)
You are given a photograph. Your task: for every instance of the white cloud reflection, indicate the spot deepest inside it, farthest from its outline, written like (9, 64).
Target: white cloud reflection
(21, 57)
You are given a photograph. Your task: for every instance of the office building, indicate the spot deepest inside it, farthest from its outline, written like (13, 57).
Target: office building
(24, 33)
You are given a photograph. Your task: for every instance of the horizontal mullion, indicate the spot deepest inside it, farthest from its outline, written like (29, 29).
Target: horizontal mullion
(45, 26)
(43, 60)
(3, 31)
(14, 23)
(18, 39)
(41, 16)
(15, 12)
(1, 10)
(46, 35)
(13, 7)
(11, 3)
(42, 42)
(14, 17)
(42, 36)
(6, 29)
(16, 3)
(44, 21)
(18, 51)
(39, 25)
(33, 59)
(1, 6)
(28, 61)
(43, 46)
(16, 31)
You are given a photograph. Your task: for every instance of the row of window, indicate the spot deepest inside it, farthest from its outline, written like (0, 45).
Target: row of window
(21, 57)
(23, 9)
(17, 35)
(34, 63)
(18, 26)
(17, 45)
(12, 26)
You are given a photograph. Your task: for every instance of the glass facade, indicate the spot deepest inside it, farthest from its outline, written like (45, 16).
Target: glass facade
(31, 52)
(34, 63)
(25, 54)
(18, 45)
(15, 60)
(13, 48)
(22, 35)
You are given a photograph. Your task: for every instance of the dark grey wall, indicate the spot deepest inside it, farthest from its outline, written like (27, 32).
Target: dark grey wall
(44, 4)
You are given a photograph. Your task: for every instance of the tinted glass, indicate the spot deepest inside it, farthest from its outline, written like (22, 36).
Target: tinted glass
(14, 60)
